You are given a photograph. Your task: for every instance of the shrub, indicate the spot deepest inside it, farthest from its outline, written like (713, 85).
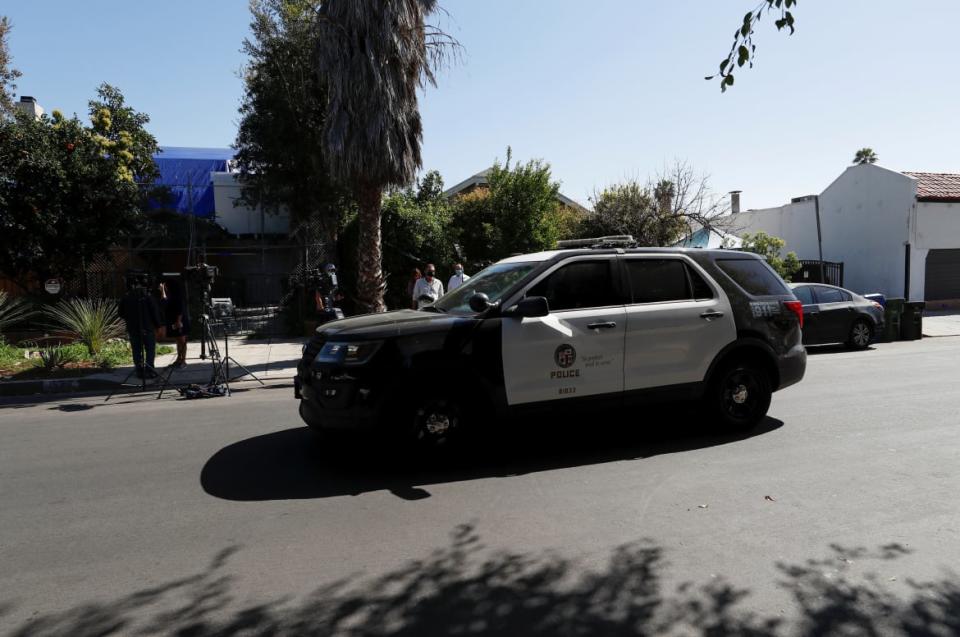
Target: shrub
(93, 322)
(55, 356)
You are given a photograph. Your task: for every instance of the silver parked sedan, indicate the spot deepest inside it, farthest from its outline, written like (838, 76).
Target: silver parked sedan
(836, 315)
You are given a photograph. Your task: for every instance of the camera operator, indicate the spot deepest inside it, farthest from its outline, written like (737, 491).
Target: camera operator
(141, 314)
(176, 312)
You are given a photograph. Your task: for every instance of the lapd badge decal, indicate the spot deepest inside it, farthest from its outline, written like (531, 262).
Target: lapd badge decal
(565, 356)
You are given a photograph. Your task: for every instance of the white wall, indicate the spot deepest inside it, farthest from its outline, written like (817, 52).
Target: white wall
(936, 226)
(237, 219)
(865, 223)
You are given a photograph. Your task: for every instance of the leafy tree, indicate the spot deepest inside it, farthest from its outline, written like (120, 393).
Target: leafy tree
(280, 149)
(517, 211)
(8, 74)
(69, 191)
(865, 156)
(374, 56)
(675, 202)
(743, 51)
(630, 208)
(770, 248)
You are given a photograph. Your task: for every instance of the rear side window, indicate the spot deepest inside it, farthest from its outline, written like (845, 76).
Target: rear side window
(804, 294)
(580, 284)
(831, 295)
(661, 280)
(754, 276)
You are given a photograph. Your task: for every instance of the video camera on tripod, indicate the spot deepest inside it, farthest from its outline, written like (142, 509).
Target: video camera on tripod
(201, 275)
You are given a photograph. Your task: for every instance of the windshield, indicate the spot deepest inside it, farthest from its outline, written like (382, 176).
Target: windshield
(493, 281)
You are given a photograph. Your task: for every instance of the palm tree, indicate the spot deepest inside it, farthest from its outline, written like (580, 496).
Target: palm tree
(865, 156)
(374, 55)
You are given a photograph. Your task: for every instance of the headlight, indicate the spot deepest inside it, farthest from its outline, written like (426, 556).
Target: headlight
(348, 353)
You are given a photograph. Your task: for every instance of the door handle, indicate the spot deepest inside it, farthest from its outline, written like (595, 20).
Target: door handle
(605, 325)
(711, 314)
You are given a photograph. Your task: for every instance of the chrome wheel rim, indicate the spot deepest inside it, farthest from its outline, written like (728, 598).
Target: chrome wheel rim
(435, 422)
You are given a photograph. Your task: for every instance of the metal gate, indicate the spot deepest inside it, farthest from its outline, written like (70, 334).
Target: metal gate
(942, 278)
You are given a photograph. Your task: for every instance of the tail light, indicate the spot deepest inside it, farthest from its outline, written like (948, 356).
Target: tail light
(797, 308)
(877, 305)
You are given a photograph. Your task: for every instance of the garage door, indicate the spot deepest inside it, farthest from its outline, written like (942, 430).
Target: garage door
(943, 275)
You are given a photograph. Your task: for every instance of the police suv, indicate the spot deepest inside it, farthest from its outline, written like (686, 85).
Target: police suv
(595, 324)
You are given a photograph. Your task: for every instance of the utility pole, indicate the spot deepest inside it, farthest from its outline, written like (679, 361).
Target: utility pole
(816, 207)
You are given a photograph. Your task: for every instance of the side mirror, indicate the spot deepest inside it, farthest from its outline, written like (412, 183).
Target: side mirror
(479, 302)
(531, 307)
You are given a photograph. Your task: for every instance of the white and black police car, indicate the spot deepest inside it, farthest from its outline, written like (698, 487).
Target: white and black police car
(601, 325)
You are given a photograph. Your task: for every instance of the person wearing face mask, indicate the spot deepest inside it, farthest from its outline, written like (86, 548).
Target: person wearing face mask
(458, 278)
(429, 288)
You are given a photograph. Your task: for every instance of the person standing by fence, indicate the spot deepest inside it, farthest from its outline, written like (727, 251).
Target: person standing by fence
(429, 288)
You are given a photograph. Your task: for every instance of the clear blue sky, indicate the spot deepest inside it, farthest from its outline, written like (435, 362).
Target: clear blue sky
(602, 90)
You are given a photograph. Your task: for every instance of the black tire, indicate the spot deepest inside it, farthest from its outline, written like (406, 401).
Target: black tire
(861, 334)
(739, 395)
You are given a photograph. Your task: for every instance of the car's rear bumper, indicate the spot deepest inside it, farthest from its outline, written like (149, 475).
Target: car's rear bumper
(792, 365)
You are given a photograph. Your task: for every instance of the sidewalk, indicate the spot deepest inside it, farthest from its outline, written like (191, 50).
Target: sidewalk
(269, 360)
(941, 323)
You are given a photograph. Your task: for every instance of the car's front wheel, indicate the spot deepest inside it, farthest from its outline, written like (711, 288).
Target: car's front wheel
(739, 395)
(434, 422)
(861, 333)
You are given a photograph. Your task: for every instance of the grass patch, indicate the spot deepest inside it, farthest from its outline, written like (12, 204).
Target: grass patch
(74, 359)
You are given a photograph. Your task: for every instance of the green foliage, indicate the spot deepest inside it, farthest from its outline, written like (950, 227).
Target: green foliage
(630, 208)
(8, 74)
(865, 156)
(10, 356)
(770, 248)
(417, 228)
(280, 145)
(93, 322)
(69, 191)
(53, 357)
(12, 311)
(743, 50)
(516, 212)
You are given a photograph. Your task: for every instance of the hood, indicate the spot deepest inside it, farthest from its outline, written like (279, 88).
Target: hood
(390, 324)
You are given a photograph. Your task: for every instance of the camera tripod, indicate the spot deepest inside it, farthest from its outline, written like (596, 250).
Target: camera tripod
(220, 374)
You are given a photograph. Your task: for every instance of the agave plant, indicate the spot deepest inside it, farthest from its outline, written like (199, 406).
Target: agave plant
(12, 311)
(93, 322)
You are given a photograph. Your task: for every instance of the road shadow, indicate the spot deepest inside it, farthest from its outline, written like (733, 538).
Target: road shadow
(838, 348)
(294, 464)
(464, 588)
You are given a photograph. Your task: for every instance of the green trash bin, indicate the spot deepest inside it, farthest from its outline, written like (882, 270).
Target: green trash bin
(911, 323)
(891, 319)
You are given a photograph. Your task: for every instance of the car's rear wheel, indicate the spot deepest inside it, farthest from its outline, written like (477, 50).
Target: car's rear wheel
(739, 395)
(861, 333)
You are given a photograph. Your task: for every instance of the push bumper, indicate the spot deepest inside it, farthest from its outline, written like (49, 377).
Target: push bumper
(335, 404)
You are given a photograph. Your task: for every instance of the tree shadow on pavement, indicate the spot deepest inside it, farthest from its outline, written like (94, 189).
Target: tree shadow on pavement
(294, 464)
(465, 589)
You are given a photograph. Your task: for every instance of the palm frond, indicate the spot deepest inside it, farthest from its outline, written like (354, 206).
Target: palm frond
(12, 311)
(93, 322)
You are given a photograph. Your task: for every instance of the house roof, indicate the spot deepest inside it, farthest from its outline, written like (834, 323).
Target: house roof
(936, 186)
(482, 178)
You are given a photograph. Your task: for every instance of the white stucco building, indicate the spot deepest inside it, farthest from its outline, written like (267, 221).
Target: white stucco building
(896, 233)
(238, 219)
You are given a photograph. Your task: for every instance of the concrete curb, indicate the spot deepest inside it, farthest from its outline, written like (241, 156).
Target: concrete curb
(56, 386)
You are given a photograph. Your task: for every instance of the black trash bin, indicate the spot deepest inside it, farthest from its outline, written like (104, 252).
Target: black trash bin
(911, 322)
(891, 319)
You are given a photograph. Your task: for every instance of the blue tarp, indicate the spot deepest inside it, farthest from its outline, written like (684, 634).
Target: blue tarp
(186, 173)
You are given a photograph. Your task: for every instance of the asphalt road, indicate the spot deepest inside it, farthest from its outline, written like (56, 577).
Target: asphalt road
(838, 516)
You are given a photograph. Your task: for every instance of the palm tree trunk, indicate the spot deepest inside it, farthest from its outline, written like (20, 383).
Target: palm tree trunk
(370, 283)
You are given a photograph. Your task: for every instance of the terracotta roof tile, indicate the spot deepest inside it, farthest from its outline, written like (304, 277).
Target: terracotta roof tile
(936, 186)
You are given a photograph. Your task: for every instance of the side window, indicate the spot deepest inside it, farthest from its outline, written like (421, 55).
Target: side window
(701, 291)
(804, 294)
(657, 280)
(754, 276)
(577, 285)
(829, 295)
